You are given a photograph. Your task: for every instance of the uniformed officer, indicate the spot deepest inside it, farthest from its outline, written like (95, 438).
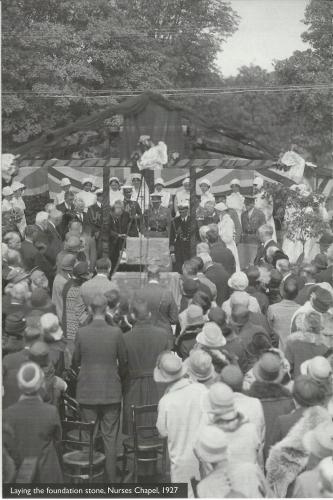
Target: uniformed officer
(132, 207)
(157, 218)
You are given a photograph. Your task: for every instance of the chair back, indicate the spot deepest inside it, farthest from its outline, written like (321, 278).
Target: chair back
(143, 430)
(69, 408)
(78, 443)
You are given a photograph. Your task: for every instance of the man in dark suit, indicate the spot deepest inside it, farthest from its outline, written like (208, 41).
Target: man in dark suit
(161, 303)
(119, 223)
(29, 252)
(180, 237)
(190, 271)
(79, 214)
(216, 273)
(55, 244)
(252, 218)
(66, 208)
(95, 220)
(219, 252)
(265, 233)
(327, 274)
(100, 353)
(134, 211)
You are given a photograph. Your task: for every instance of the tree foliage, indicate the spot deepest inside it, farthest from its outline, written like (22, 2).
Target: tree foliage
(73, 47)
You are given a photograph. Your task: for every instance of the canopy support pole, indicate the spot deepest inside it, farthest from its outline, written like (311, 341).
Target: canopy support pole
(193, 210)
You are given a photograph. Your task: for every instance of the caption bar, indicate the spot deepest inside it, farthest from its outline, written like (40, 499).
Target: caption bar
(138, 490)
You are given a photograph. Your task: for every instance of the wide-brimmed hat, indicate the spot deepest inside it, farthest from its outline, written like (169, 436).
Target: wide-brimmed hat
(238, 281)
(219, 400)
(7, 191)
(190, 287)
(199, 365)
(68, 261)
(29, 378)
(318, 368)
(307, 392)
(160, 181)
(81, 270)
(268, 368)
(16, 185)
(65, 182)
(321, 299)
(259, 343)
(16, 275)
(194, 315)
(211, 336)
(169, 368)
(50, 325)
(15, 324)
(39, 353)
(212, 444)
(319, 441)
(235, 182)
(73, 244)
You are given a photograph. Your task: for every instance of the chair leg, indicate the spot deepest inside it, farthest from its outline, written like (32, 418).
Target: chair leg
(123, 465)
(135, 468)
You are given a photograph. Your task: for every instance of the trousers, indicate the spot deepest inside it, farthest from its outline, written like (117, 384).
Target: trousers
(107, 419)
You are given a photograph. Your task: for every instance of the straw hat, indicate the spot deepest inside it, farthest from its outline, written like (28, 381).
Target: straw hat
(318, 368)
(238, 281)
(169, 368)
(211, 336)
(199, 365)
(7, 191)
(50, 324)
(30, 378)
(268, 368)
(212, 445)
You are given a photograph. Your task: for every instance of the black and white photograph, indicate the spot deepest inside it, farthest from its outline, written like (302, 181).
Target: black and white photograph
(167, 248)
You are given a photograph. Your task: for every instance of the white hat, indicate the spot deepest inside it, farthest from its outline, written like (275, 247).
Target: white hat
(199, 365)
(205, 181)
(235, 182)
(41, 216)
(221, 207)
(99, 191)
(17, 185)
(65, 182)
(183, 204)
(169, 368)
(156, 194)
(114, 179)
(186, 180)
(7, 191)
(211, 336)
(50, 324)
(212, 445)
(88, 180)
(220, 400)
(136, 176)
(159, 180)
(29, 378)
(127, 186)
(317, 368)
(258, 181)
(238, 281)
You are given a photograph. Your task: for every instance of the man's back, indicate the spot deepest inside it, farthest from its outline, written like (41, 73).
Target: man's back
(11, 364)
(101, 354)
(219, 276)
(279, 316)
(28, 252)
(222, 255)
(161, 304)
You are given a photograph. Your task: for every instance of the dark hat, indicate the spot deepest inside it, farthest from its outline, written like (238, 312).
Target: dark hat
(190, 287)
(259, 343)
(252, 273)
(68, 261)
(81, 270)
(232, 376)
(16, 275)
(268, 368)
(322, 300)
(217, 315)
(15, 324)
(39, 353)
(308, 392)
(276, 278)
(320, 261)
(326, 239)
(33, 328)
(39, 298)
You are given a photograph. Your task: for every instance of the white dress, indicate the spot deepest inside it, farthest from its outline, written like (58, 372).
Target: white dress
(165, 200)
(115, 196)
(88, 198)
(226, 229)
(207, 196)
(236, 201)
(266, 205)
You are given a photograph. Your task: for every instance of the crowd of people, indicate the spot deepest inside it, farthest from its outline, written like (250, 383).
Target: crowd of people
(240, 366)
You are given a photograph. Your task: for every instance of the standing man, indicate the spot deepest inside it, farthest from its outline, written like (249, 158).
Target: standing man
(157, 218)
(266, 240)
(67, 209)
(54, 240)
(117, 233)
(101, 355)
(133, 209)
(166, 200)
(235, 200)
(180, 237)
(264, 202)
(252, 218)
(95, 218)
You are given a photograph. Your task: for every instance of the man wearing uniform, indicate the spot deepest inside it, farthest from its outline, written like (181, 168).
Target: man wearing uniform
(252, 218)
(95, 219)
(180, 237)
(157, 218)
(132, 207)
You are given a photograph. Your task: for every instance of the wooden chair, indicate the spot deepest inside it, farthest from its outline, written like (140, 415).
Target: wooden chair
(84, 463)
(145, 446)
